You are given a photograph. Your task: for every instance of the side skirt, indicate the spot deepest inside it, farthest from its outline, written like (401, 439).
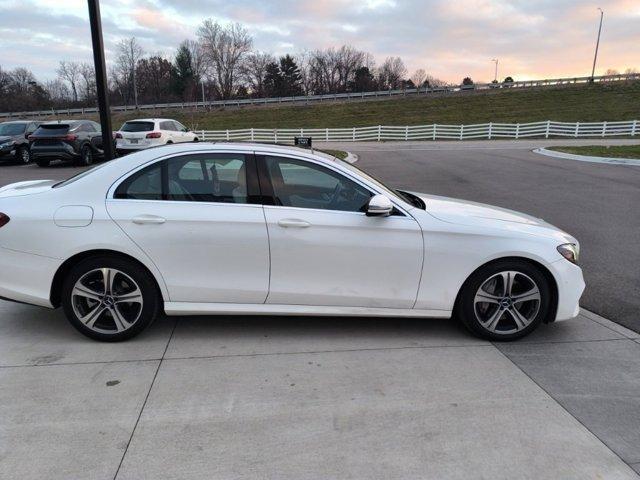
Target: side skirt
(187, 308)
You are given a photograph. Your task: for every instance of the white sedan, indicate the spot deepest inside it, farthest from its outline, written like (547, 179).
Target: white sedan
(139, 134)
(258, 229)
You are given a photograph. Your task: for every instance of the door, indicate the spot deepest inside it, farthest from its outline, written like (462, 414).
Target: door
(198, 220)
(325, 250)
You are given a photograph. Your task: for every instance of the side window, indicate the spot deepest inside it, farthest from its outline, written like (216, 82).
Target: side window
(31, 128)
(145, 184)
(179, 127)
(216, 177)
(167, 126)
(297, 183)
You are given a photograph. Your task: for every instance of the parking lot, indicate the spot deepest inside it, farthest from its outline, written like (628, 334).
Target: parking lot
(269, 397)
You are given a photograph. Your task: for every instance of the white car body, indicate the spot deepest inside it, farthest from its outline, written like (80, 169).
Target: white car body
(160, 131)
(226, 258)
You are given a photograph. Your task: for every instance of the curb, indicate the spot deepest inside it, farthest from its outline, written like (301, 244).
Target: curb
(586, 158)
(351, 157)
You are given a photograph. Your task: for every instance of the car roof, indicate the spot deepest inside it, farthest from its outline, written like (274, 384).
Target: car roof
(21, 121)
(151, 120)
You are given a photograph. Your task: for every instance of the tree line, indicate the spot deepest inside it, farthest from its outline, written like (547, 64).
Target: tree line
(220, 64)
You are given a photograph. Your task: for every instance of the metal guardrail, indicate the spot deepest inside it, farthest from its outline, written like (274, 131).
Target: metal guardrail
(432, 132)
(332, 97)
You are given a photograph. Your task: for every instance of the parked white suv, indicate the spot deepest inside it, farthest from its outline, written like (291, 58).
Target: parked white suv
(139, 134)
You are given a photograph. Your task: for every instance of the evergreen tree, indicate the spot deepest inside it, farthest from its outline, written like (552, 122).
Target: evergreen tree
(183, 77)
(272, 80)
(290, 75)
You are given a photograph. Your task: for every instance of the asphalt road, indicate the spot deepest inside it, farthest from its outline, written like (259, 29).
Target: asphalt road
(598, 203)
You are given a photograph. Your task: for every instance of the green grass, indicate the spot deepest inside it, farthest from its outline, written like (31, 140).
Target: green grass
(341, 154)
(583, 103)
(618, 151)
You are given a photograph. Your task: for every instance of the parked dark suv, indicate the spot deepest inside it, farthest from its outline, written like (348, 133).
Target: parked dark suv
(13, 140)
(76, 140)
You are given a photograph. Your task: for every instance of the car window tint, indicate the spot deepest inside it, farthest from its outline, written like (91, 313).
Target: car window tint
(167, 126)
(143, 185)
(137, 127)
(218, 177)
(178, 126)
(215, 177)
(297, 183)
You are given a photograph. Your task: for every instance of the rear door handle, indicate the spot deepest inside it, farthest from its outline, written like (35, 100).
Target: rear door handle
(293, 222)
(148, 220)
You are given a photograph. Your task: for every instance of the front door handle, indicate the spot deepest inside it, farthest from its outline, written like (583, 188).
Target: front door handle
(293, 222)
(148, 220)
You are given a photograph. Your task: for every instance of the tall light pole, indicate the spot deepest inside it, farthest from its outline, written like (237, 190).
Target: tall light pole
(595, 57)
(101, 78)
(495, 75)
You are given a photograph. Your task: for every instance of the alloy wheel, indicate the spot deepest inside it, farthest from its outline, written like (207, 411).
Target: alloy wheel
(25, 155)
(107, 300)
(507, 302)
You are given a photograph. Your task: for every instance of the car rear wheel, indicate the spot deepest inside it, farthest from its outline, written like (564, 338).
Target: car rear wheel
(505, 300)
(24, 154)
(110, 299)
(86, 155)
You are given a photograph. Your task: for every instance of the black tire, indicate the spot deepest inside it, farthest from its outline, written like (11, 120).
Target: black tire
(467, 311)
(196, 139)
(24, 155)
(86, 156)
(42, 162)
(146, 314)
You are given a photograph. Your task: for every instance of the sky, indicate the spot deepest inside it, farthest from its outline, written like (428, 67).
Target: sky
(450, 39)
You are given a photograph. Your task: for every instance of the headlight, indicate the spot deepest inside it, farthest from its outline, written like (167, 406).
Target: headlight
(570, 251)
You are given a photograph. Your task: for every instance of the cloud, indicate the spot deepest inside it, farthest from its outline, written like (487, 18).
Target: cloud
(531, 38)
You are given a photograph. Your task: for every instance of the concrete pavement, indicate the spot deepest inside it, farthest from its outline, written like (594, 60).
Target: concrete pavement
(316, 398)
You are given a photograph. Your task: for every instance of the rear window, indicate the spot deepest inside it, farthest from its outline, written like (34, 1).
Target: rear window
(53, 129)
(12, 128)
(137, 127)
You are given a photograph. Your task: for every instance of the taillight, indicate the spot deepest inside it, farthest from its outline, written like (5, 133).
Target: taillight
(70, 137)
(154, 135)
(4, 219)
(117, 135)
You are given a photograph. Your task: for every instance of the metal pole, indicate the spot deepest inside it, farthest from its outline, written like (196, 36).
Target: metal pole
(595, 57)
(101, 78)
(495, 75)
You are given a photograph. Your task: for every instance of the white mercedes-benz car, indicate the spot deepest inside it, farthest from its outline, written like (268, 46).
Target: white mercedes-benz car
(139, 134)
(262, 229)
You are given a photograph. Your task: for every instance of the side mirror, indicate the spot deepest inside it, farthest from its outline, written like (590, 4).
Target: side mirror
(379, 206)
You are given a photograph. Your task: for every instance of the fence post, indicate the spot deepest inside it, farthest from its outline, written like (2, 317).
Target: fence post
(354, 134)
(406, 133)
(575, 134)
(326, 134)
(227, 135)
(203, 135)
(252, 136)
(435, 126)
(490, 129)
(517, 131)
(633, 127)
(302, 132)
(546, 133)
(461, 132)
(379, 131)
(604, 128)
(275, 135)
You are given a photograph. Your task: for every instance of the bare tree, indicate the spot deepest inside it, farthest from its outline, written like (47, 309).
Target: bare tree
(391, 73)
(224, 49)
(88, 75)
(418, 77)
(70, 72)
(57, 90)
(631, 70)
(348, 60)
(254, 69)
(129, 54)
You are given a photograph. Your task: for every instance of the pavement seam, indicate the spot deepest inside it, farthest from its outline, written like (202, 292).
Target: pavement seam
(146, 398)
(600, 320)
(565, 409)
(62, 364)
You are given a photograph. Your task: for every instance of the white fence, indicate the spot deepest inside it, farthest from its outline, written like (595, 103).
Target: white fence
(334, 97)
(431, 132)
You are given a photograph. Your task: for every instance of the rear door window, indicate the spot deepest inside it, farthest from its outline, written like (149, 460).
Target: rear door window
(53, 129)
(167, 126)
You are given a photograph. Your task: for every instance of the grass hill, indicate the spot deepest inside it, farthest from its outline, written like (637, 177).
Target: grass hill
(584, 103)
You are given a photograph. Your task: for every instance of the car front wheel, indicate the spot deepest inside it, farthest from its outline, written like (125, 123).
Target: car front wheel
(505, 300)
(109, 298)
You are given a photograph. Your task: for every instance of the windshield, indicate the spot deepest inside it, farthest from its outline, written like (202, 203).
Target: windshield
(137, 127)
(12, 128)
